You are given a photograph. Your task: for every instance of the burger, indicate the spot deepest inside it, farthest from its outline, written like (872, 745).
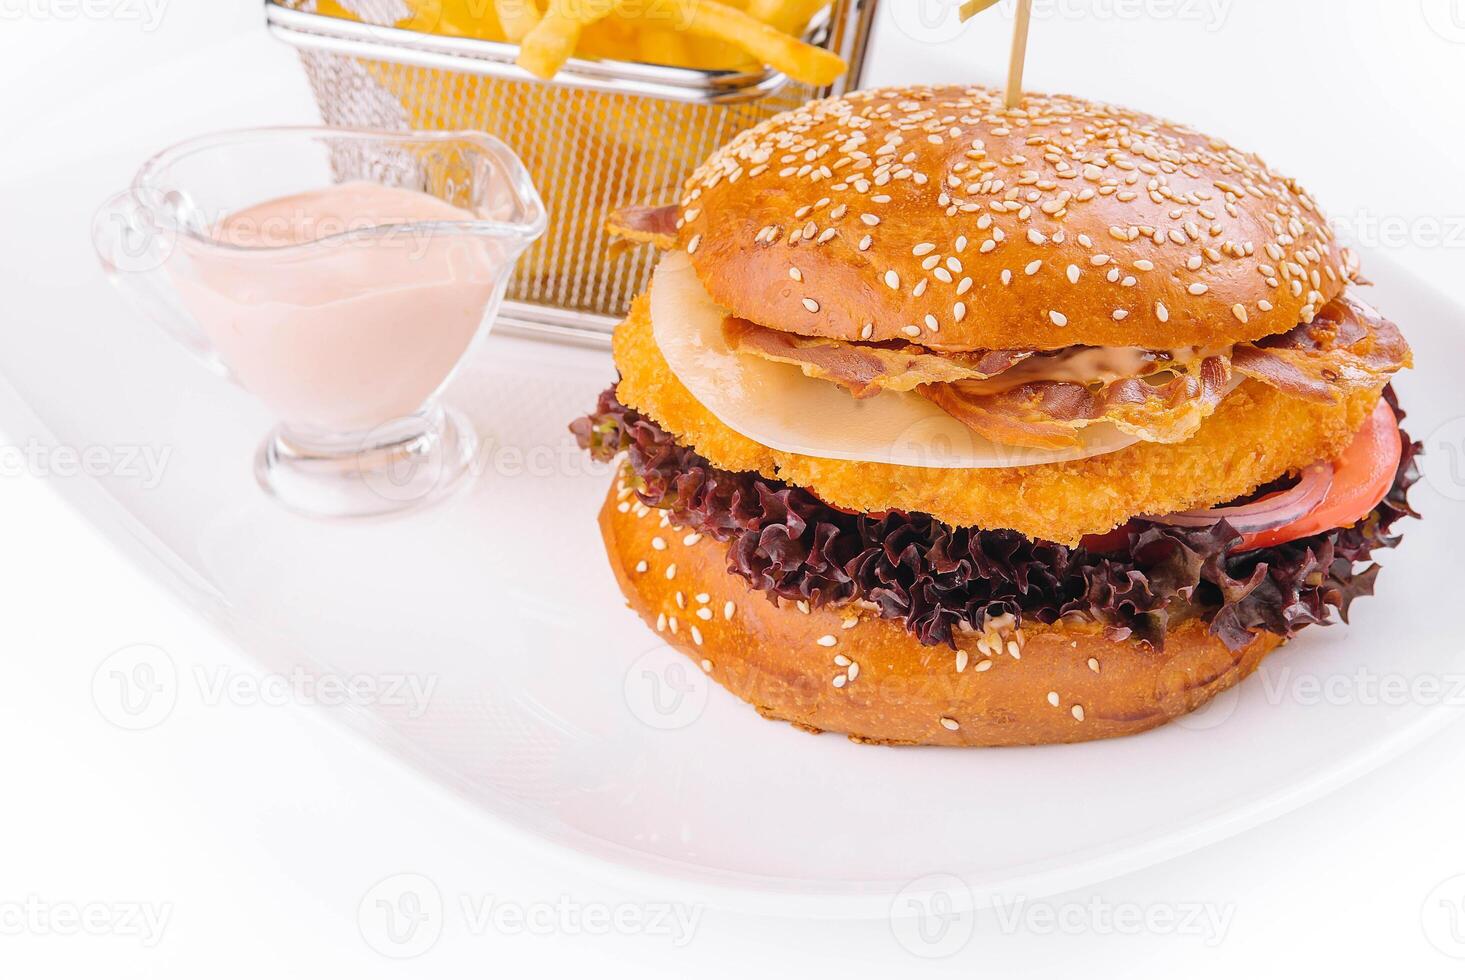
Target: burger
(948, 423)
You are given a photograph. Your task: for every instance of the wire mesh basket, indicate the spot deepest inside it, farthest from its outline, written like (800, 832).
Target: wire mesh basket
(599, 135)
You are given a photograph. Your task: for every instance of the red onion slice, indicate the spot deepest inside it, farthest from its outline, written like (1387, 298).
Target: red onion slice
(1272, 511)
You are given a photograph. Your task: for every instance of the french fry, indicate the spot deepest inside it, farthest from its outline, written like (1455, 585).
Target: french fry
(789, 16)
(518, 17)
(552, 41)
(770, 46)
(970, 8)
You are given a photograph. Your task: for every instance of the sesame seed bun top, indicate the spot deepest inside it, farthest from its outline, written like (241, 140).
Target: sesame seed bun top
(938, 215)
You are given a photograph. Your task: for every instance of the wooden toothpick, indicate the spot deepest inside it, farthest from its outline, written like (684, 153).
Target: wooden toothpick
(1019, 52)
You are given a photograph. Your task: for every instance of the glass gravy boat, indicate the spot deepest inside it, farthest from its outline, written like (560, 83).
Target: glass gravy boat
(345, 303)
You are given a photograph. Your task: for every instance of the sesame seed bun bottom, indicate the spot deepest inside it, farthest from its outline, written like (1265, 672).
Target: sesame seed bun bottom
(846, 670)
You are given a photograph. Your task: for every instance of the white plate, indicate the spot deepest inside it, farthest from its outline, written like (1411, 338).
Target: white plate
(504, 597)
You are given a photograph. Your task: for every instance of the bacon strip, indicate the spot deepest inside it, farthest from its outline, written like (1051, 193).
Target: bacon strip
(1044, 398)
(1050, 414)
(1347, 346)
(866, 369)
(656, 226)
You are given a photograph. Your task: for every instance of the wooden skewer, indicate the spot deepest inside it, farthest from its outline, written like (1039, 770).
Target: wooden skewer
(1019, 52)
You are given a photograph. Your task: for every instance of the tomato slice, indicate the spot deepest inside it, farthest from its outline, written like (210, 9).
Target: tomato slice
(1362, 475)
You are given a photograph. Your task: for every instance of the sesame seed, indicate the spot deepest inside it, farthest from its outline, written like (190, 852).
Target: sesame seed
(707, 666)
(870, 219)
(1197, 288)
(692, 539)
(1144, 265)
(1037, 237)
(1119, 314)
(1099, 259)
(892, 279)
(964, 285)
(795, 274)
(854, 670)
(659, 543)
(728, 609)
(696, 636)
(1033, 266)
(1239, 312)
(811, 305)
(866, 331)
(849, 622)
(865, 243)
(911, 330)
(1053, 698)
(704, 613)
(840, 660)
(983, 665)
(827, 640)
(931, 323)
(1073, 273)
(923, 249)
(958, 311)
(1161, 313)
(1078, 712)
(1093, 665)
(1059, 320)
(839, 680)
(671, 571)
(692, 245)
(950, 724)
(961, 660)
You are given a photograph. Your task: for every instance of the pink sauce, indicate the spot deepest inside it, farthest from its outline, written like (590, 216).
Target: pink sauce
(341, 333)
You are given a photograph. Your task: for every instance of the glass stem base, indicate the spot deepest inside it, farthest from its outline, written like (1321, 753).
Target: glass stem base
(402, 465)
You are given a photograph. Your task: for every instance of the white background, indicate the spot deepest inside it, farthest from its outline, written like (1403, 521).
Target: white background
(257, 831)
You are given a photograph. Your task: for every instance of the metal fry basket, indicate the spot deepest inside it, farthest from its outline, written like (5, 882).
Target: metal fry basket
(598, 136)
